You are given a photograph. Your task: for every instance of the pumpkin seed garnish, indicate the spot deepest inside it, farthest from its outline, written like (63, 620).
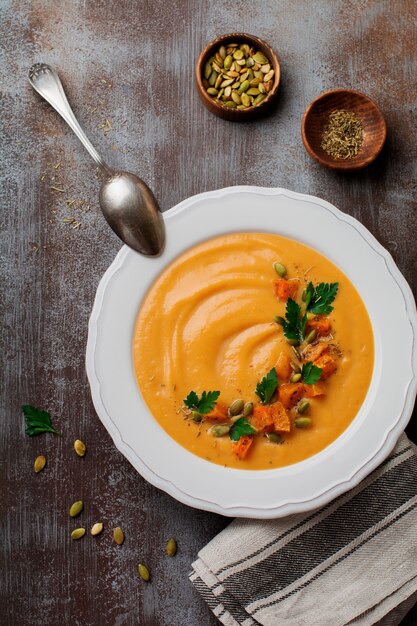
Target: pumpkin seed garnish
(274, 437)
(76, 508)
(280, 269)
(78, 533)
(118, 536)
(144, 572)
(236, 407)
(96, 529)
(237, 76)
(302, 422)
(40, 463)
(303, 406)
(80, 447)
(171, 547)
(219, 431)
(248, 409)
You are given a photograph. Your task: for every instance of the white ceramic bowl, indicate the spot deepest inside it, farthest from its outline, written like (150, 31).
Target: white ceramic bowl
(267, 493)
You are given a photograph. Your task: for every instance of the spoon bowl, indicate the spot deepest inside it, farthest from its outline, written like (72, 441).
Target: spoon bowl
(127, 203)
(132, 211)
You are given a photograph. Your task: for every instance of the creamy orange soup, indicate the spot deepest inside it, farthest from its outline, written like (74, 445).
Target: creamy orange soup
(207, 323)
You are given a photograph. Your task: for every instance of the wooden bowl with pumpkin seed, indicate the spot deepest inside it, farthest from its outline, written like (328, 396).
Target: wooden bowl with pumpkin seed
(238, 76)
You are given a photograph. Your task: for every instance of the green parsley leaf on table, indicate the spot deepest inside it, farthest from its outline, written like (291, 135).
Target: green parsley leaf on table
(320, 298)
(310, 373)
(267, 387)
(294, 323)
(37, 421)
(203, 404)
(241, 428)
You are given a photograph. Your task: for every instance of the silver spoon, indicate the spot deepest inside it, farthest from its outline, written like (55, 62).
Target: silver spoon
(127, 203)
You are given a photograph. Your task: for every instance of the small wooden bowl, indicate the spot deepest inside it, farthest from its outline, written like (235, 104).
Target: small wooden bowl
(316, 117)
(237, 115)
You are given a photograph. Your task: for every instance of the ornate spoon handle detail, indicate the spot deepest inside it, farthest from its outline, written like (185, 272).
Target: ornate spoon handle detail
(46, 82)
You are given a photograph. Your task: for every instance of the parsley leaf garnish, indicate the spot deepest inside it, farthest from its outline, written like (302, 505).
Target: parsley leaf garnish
(310, 373)
(241, 428)
(320, 298)
(294, 323)
(37, 421)
(267, 387)
(203, 404)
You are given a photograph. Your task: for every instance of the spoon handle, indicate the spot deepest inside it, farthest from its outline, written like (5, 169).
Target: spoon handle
(46, 82)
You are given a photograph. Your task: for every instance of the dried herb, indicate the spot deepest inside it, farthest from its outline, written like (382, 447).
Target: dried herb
(343, 135)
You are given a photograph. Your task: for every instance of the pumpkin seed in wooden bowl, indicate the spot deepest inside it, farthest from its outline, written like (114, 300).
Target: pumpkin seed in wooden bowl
(238, 76)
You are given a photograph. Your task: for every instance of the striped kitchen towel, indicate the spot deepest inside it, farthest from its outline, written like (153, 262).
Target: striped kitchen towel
(354, 561)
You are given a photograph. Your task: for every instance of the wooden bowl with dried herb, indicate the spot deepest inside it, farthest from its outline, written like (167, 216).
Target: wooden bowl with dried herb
(238, 76)
(343, 129)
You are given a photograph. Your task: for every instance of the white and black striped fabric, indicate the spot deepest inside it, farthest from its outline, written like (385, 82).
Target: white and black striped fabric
(352, 562)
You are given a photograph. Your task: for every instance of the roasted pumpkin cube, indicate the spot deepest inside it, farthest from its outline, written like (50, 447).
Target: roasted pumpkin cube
(312, 391)
(218, 414)
(290, 393)
(283, 366)
(284, 289)
(280, 416)
(322, 325)
(262, 418)
(242, 446)
(327, 364)
(313, 352)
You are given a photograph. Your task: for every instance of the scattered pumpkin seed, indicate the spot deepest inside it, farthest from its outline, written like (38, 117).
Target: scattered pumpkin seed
(76, 508)
(274, 437)
(78, 533)
(245, 71)
(311, 336)
(280, 269)
(302, 422)
(303, 295)
(39, 463)
(295, 378)
(80, 447)
(118, 535)
(279, 320)
(220, 430)
(236, 407)
(296, 352)
(144, 572)
(96, 529)
(248, 409)
(196, 416)
(303, 407)
(235, 418)
(293, 342)
(171, 547)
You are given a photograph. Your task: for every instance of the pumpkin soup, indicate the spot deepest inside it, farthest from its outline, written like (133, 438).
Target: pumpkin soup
(253, 351)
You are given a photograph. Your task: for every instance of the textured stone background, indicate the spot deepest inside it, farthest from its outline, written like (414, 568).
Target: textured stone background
(132, 63)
